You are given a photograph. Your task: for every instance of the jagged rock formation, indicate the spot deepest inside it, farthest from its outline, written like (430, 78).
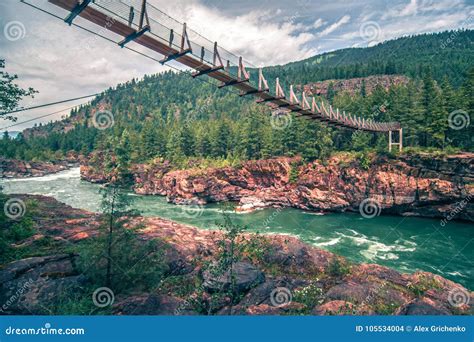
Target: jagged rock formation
(11, 168)
(409, 185)
(286, 264)
(355, 85)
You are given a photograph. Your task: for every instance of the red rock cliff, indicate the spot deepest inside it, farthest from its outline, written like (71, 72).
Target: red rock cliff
(409, 185)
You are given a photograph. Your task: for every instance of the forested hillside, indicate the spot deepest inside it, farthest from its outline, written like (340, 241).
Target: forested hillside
(176, 117)
(447, 54)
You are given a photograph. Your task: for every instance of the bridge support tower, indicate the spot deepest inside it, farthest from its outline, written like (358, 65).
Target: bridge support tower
(400, 140)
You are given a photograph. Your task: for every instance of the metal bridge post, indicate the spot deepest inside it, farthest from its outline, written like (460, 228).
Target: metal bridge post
(400, 141)
(293, 98)
(142, 14)
(141, 29)
(131, 15)
(389, 141)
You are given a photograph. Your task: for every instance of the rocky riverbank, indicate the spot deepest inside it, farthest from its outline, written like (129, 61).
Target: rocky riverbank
(307, 280)
(11, 168)
(420, 185)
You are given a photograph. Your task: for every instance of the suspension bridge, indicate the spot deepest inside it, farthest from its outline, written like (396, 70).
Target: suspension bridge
(139, 23)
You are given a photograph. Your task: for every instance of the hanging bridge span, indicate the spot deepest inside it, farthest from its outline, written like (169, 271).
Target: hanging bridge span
(140, 23)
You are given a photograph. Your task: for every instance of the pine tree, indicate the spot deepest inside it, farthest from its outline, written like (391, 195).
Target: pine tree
(149, 141)
(435, 118)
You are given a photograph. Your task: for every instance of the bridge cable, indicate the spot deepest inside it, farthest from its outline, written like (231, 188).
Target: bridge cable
(48, 104)
(103, 37)
(125, 47)
(39, 117)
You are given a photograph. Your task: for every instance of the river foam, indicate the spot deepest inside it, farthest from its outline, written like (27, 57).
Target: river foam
(66, 174)
(412, 245)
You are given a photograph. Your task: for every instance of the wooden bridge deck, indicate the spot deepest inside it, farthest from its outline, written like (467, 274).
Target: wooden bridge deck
(116, 24)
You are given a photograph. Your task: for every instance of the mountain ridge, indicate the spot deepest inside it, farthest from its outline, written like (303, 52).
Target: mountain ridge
(174, 116)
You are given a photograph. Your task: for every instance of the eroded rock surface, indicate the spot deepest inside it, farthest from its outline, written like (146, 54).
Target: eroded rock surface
(10, 168)
(409, 185)
(290, 277)
(32, 285)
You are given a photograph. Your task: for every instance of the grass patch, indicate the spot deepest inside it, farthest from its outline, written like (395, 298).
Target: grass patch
(423, 284)
(74, 302)
(338, 267)
(180, 286)
(310, 295)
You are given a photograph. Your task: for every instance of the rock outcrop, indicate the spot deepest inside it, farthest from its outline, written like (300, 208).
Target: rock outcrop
(418, 185)
(288, 277)
(11, 168)
(30, 286)
(355, 85)
(243, 277)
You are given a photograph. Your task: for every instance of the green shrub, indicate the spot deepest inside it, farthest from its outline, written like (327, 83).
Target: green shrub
(310, 295)
(294, 172)
(364, 159)
(74, 302)
(338, 267)
(136, 264)
(423, 284)
(13, 231)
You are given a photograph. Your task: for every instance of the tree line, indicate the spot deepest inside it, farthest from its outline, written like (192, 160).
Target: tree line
(173, 116)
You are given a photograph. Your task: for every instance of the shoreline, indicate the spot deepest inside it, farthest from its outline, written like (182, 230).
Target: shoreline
(19, 169)
(361, 286)
(408, 186)
(277, 208)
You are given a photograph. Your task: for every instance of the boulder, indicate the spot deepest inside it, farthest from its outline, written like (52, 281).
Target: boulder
(33, 285)
(245, 276)
(423, 307)
(351, 292)
(335, 307)
(151, 304)
(10, 168)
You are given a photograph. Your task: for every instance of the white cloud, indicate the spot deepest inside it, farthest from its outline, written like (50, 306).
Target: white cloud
(421, 7)
(63, 62)
(416, 17)
(318, 23)
(410, 9)
(333, 27)
(254, 35)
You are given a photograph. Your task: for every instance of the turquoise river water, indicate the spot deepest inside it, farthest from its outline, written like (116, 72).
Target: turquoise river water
(404, 243)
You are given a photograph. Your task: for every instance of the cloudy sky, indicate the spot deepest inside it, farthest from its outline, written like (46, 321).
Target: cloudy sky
(63, 62)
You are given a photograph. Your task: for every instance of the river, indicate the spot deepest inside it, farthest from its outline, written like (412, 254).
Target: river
(403, 243)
